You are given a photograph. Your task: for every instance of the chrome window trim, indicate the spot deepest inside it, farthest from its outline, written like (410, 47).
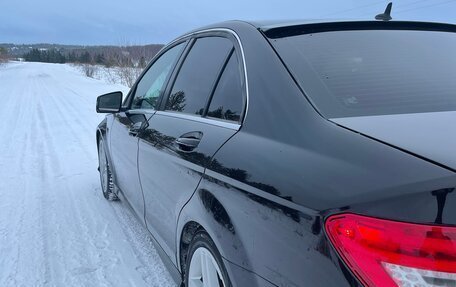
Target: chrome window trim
(232, 32)
(196, 118)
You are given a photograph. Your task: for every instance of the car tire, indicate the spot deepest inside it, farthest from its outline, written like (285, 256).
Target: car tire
(203, 252)
(106, 180)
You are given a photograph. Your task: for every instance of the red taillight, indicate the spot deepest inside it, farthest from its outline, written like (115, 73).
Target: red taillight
(384, 253)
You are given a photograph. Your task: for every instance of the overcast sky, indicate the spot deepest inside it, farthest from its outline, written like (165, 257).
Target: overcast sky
(92, 22)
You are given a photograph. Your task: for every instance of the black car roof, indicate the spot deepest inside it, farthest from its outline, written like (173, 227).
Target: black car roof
(272, 24)
(285, 28)
(268, 24)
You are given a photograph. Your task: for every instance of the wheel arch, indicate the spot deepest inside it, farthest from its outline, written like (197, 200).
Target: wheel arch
(202, 213)
(189, 231)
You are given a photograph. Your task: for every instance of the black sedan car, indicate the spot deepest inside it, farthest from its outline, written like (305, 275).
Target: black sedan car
(293, 154)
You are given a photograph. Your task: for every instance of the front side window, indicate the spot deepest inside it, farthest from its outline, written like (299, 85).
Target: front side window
(227, 101)
(152, 83)
(198, 75)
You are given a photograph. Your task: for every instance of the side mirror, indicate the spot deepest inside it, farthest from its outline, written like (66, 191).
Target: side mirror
(109, 103)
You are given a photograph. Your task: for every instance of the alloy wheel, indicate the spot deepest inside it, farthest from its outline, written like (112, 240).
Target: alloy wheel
(204, 270)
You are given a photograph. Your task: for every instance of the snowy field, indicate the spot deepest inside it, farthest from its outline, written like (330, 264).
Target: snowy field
(56, 229)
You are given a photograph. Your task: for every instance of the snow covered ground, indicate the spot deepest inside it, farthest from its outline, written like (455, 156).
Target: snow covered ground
(56, 229)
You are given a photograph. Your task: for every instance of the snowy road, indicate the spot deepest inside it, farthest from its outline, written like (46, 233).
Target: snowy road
(56, 229)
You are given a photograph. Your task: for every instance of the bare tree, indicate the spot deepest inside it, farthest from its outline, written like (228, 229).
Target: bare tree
(110, 75)
(89, 70)
(128, 75)
(128, 63)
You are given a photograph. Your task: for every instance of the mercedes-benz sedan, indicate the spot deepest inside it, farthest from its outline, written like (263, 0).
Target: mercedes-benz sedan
(293, 154)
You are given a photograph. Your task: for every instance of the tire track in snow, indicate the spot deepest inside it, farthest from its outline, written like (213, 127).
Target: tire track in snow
(81, 216)
(83, 265)
(69, 122)
(52, 167)
(14, 192)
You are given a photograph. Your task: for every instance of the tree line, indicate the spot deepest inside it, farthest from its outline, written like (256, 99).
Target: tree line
(119, 56)
(46, 56)
(55, 56)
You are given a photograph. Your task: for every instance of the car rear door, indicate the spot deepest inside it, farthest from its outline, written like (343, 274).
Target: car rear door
(182, 138)
(139, 107)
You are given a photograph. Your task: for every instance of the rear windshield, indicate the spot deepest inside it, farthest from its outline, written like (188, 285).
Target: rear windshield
(373, 72)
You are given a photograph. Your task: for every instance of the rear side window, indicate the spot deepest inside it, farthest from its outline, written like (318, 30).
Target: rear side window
(198, 74)
(227, 101)
(374, 72)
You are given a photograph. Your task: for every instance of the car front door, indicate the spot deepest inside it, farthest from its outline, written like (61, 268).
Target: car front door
(139, 107)
(182, 138)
